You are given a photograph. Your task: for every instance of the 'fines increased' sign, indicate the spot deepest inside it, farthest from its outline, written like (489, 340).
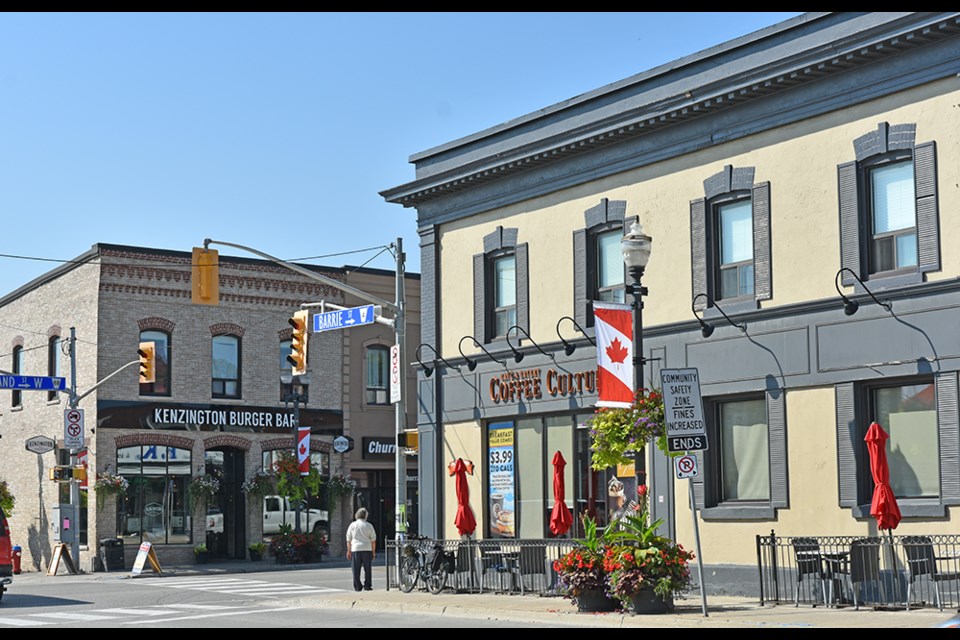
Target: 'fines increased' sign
(683, 410)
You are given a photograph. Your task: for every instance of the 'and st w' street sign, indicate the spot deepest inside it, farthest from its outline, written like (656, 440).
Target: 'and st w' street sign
(33, 383)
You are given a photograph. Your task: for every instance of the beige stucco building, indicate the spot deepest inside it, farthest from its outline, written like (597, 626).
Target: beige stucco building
(779, 175)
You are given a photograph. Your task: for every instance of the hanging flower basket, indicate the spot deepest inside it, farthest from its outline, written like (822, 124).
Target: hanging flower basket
(109, 484)
(292, 485)
(258, 485)
(201, 490)
(617, 435)
(340, 486)
(6, 498)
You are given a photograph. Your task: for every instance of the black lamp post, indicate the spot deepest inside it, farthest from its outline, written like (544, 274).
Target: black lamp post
(636, 247)
(296, 395)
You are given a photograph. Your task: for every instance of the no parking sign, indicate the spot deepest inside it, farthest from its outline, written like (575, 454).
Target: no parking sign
(687, 467)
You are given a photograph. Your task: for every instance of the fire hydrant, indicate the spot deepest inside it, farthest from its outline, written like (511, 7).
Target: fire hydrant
(17, 552)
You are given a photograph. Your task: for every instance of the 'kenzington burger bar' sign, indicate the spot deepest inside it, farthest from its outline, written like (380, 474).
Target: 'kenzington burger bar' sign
(532, 384)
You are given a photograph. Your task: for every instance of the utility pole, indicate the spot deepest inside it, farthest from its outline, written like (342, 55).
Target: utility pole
(399, 326)
(74, 453)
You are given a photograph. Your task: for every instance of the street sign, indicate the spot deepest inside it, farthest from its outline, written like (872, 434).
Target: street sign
(40, 444)
(342, 444)
(396, 391)
(344, 318)
(683, 410)
(687, 467)
(33, 383)
(73, 429)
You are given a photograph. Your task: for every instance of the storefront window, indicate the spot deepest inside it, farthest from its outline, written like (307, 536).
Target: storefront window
(313, 511)
(155, 506)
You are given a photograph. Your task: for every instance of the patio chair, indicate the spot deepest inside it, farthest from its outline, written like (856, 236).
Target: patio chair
(465, 567)
(863, 565)
(809, 563)
(534, 567)
(923, 561)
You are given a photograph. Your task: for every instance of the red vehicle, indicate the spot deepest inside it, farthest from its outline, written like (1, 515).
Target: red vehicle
(6, 554)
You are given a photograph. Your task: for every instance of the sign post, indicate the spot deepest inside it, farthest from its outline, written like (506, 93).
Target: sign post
(686, 431)
(73, 429)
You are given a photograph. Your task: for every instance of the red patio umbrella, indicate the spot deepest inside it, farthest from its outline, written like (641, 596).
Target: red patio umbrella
(466, 523)
(560, 518)
(884, 506)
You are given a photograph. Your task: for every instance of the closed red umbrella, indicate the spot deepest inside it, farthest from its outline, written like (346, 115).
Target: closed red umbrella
(466, 523)
(560, 517)
(884, 506)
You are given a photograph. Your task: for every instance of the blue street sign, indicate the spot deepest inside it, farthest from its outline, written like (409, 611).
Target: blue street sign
(33, 383)
(344, 318)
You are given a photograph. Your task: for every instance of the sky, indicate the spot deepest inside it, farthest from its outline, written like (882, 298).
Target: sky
(278, 131)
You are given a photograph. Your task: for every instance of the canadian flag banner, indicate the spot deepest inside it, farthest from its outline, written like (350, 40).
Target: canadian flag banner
(303, 449)
(614, 329)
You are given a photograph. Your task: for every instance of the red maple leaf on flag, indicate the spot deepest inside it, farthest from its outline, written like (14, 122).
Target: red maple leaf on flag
(303, 449)
(616, 352)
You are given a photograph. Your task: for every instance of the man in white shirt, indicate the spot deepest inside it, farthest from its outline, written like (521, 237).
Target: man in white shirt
(362, 549)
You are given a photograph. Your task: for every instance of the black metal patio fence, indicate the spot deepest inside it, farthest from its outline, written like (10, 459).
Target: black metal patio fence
(884, 571)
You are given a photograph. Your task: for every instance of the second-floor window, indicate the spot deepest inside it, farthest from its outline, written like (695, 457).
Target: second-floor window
(161, 386)
(53, 362)
(504, 294)
(378, 375)
(893, 244)
(609, 261)
(734, 249)
(225, 370)
(17, 398)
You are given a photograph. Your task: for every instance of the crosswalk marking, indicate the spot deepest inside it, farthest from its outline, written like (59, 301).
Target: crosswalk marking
(75, 617)
(215, 615)
(139, 615)
(20, 622)
(239, 586)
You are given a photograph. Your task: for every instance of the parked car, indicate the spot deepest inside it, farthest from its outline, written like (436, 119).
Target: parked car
(278, 510)
(6, 554)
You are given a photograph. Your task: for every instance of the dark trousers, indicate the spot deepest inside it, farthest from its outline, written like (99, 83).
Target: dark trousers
(362, 559)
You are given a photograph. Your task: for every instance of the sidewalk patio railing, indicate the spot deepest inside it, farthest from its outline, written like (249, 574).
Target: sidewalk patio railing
(881, 571)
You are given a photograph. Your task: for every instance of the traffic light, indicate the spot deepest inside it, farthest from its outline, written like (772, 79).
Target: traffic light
(205, 276)
(298, 342)
(61, 474)
(408, 439)
(79, 473)
(148, 362)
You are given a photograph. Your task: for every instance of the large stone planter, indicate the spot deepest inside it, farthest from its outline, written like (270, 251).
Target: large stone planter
(594, 601)
(647, 602)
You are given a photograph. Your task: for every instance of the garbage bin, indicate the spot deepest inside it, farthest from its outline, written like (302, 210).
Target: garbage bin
(17, 553)
(111, 553)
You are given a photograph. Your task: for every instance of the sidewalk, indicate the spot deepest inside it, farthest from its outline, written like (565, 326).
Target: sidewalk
(722, 611)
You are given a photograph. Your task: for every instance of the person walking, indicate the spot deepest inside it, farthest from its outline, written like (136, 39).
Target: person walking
(361, 550)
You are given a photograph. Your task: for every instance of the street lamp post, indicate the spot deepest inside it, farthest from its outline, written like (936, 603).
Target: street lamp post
(636, 246)
(296, 396)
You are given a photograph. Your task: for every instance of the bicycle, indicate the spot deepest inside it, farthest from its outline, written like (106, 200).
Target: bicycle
(422, 561)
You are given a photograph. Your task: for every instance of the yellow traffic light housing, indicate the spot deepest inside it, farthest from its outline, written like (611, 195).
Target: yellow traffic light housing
(148, 362)
(298, 342)
(409, 439)
(61, 474)
(79, 473)
(205, 276)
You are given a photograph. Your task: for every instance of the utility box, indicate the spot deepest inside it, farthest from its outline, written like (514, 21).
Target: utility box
(64, 524)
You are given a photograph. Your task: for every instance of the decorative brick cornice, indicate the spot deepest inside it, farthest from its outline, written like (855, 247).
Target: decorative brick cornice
(153, 438)
(226, 328)
(156, 324)
(287, 443)
(226, 440)
(54, 330)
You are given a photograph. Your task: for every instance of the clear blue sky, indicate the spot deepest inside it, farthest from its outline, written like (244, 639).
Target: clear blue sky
(278, 130)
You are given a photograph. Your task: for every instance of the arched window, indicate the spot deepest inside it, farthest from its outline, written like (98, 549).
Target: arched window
(225, 369)
(155, 507)
(161, 386)
(53, 362)
(17, 398)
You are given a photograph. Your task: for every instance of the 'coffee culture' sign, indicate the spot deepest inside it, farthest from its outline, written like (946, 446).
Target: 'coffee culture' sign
(531, 384)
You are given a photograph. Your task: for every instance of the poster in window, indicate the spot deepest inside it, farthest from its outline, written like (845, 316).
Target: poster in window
(500, 467)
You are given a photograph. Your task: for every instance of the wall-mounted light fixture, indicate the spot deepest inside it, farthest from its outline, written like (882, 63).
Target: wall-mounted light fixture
(706, 329)
(567, 347)
(518, 355)
(472, 364)
(428, 370)
(850, 306)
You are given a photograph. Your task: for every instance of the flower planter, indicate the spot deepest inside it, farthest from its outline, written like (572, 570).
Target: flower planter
(256, 556)
(202, 557)
(646, 601)
(595, 600)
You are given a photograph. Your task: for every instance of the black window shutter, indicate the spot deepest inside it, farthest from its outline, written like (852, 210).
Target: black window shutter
(777, 428)
(523, 287)
(763, 283)
(580, 277)
(849, 437)
(928, 218)
(849, 221)
(479, 298)
(947, 421)
(698, 249)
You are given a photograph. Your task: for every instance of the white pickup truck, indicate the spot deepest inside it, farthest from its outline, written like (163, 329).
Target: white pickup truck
(278, 510)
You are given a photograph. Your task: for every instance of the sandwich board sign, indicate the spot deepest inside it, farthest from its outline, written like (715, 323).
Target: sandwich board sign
(144, 554)
(683, 410)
